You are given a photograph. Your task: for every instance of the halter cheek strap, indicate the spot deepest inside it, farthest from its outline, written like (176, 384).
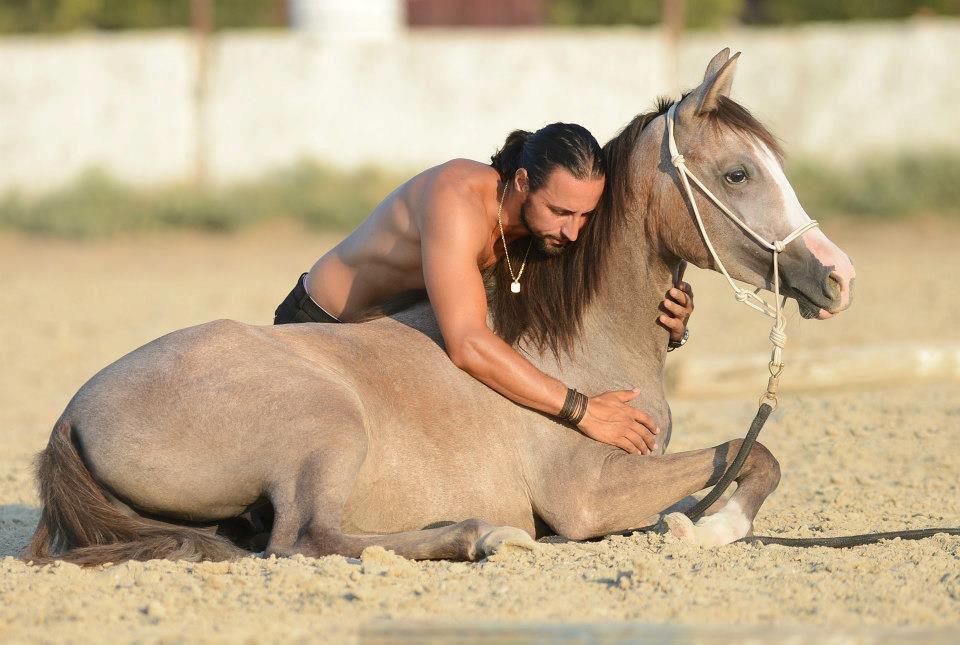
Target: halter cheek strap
(778, 334)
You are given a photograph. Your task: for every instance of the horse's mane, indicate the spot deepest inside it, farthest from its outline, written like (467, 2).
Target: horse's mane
(548, 313)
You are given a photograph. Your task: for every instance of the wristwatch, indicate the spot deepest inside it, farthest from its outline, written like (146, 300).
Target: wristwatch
(674, 344)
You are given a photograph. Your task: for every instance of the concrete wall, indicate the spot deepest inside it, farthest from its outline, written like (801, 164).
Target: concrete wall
(128, 103)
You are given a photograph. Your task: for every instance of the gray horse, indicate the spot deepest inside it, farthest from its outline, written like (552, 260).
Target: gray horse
(366, 434)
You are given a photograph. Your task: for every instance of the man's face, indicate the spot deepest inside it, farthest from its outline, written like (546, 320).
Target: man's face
(557, 211)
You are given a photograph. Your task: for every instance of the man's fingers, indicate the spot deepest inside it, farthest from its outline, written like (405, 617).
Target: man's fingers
(637, 441)
(646, 428)
(674, 308)
(626, 445)
(627, 395)
(678, 276)
(678, 296)
(685, 287)
(645, 420)
(673, 324)
(644, 435)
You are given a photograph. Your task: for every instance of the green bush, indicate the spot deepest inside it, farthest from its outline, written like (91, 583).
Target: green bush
(67, 15)
(97, 205)
(699, 14)
(883, 186)
(791, 11)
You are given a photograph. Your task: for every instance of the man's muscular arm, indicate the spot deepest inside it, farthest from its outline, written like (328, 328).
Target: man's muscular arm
(452, 240)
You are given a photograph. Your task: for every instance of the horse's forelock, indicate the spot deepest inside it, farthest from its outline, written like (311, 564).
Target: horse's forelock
(735, 116)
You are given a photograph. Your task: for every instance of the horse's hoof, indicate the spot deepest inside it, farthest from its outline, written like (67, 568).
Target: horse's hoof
(502, 536)
(681, 527)
(723, 527)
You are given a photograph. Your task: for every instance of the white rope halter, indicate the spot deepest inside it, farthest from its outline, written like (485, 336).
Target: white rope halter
(778, 334)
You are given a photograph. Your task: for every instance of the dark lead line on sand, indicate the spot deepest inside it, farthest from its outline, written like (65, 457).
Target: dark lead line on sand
(836, 542)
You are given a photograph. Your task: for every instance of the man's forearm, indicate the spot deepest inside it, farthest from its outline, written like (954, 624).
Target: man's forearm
(490, 360)
(606, 417)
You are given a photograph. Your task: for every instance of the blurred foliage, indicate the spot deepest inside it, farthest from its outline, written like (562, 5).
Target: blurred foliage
(96, 205)
(699, 13)
(881, 186)
(792, 11)
(718, 13)
(67, 15)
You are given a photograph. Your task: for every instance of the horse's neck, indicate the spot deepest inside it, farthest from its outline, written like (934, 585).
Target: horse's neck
(622, 343)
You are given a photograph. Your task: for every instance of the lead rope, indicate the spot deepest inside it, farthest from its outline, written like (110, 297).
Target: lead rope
(778, 332)
(768, 400)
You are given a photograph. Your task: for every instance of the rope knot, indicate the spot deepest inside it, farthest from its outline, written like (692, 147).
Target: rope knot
(677, 159)
(779, 246)
(741, 296)
(778, 337)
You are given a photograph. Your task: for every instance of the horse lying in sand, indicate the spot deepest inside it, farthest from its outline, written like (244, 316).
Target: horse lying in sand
(367, 434)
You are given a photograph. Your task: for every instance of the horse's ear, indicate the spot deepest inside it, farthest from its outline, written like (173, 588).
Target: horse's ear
(716, 83)
(716, 63)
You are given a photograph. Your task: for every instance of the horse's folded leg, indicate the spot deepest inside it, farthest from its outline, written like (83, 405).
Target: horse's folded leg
(309, 514)
(501, 536)
(471, 539)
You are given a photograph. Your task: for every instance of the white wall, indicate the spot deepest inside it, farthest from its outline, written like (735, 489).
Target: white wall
(368, 19)
(127, 103)
(121, 102)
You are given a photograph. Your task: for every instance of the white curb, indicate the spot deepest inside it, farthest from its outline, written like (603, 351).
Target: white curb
(816, 370)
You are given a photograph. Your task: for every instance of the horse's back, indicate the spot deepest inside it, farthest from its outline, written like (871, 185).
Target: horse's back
(201, 422)
(214, 412)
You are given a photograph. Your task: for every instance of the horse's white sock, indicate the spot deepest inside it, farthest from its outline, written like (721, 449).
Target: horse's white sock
(723, 527)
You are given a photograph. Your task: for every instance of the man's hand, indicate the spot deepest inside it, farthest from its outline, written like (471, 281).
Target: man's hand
(609, 419)
(677, 305)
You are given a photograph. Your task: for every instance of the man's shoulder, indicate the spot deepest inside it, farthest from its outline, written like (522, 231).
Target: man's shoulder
(462, 185)
(457, 201)
(464, 165)
(467, 175)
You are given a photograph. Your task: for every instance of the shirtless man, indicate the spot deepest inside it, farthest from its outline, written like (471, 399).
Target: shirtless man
(440, 230)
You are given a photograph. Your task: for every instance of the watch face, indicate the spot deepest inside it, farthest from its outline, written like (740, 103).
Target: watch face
(674, 344)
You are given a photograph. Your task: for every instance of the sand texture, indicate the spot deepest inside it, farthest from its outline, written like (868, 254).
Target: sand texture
(853, 460)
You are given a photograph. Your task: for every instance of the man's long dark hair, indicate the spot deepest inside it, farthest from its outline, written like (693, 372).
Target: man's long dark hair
(558, 145)
(548, 311)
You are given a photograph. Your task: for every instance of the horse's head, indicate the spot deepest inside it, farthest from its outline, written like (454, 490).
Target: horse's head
(739, 161)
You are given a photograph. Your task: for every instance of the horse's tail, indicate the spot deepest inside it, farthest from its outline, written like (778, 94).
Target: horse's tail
(79, 524)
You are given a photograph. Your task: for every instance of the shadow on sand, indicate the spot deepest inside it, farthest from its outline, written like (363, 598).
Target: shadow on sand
(17, 522)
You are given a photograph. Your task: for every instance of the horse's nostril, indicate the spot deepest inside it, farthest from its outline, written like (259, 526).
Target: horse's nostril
(833, 286)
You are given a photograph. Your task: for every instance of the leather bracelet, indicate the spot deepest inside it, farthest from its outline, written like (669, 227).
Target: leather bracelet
(569, 404)
(581, 409)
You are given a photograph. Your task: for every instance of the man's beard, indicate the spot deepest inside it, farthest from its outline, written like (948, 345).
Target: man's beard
(540, 243)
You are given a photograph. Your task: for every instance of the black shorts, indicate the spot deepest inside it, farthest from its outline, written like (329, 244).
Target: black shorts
(298, 307)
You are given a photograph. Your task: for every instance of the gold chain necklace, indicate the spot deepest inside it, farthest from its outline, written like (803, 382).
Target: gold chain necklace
(515, 285)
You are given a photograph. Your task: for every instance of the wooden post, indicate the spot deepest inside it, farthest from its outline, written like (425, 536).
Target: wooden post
(673, 24)
(201, 22)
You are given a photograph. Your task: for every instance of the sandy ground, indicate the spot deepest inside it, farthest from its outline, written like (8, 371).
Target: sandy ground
(852, 460)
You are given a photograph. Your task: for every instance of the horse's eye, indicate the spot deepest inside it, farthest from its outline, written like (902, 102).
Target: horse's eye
(736, 176)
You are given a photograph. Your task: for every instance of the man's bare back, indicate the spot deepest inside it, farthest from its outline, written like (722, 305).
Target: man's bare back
(382, 258)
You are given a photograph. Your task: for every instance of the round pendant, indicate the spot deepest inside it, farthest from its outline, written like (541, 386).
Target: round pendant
(515, 286)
